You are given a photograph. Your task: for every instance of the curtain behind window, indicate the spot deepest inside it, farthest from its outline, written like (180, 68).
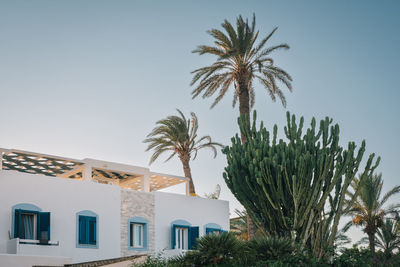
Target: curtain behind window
(27, 226)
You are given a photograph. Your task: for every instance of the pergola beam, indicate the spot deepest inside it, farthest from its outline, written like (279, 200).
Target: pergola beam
(71, 172)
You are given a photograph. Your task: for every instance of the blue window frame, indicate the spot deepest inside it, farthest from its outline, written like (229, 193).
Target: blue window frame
(183, 235)
(213, 228)
(87, 229)
(29, 222)
(138, 234)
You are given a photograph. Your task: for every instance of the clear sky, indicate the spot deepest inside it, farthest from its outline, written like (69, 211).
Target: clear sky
(90, 78)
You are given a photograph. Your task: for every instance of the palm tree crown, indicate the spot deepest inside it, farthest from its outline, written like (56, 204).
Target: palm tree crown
(178, 135)
(368, 209)
(240, 61)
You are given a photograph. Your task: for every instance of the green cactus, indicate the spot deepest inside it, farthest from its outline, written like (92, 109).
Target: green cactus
(294, 187)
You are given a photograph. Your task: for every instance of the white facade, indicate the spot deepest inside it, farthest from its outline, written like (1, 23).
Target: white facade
(196, 211)
(118, 195)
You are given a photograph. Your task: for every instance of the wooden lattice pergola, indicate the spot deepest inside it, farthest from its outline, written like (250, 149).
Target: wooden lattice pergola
(39, 164)
(42, 164)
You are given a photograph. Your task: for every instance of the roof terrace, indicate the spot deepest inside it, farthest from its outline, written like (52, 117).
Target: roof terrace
(125, 176)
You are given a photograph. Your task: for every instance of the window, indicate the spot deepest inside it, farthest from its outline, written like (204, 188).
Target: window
(136, 237)
(213, 229)
(30, 223)
(138, 233)
(181, 238)
(87, 229)
(183, 235)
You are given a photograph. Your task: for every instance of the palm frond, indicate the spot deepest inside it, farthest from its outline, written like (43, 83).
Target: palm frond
(238, 58)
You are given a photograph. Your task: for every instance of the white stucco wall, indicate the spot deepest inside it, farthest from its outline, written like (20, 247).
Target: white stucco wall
(197, 211)
(63, 198)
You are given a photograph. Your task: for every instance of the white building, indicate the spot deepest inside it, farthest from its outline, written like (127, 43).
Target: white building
(56, 210)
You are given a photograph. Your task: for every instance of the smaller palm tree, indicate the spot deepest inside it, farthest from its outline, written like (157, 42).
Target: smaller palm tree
(368, 209)
(387, 237)
(178, 135)
(238, 225)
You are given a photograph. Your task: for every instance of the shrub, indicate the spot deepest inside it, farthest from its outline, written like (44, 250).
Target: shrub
(215, 249)
(272, 248)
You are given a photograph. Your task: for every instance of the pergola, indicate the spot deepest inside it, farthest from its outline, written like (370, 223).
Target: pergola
(125, 176)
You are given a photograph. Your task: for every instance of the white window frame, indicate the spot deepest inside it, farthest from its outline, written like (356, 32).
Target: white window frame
(133, 233)
(181, 238)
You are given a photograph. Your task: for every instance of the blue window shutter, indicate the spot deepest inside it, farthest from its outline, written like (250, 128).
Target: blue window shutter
(92, 230)
(44, 226)
(173, 237)
(82, 230)
(17, 223)
(193, 235)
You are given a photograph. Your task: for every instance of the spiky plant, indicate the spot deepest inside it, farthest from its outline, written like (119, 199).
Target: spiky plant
(178, 135)
(240, 62)
(218, 249)
(369, 208)
(273, 248)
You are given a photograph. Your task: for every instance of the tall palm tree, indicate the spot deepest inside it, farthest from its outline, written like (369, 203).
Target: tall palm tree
(178, 135)
(240, 61)
(368, 209)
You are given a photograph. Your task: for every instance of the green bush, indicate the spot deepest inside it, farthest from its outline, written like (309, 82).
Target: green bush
(272, 248)
(216, 249)
(225, 250)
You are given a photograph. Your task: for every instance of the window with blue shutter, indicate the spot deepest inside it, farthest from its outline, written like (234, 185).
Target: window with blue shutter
(193, 235)
(87, 229)
(30, 223)
(183, 235)
(43, 227)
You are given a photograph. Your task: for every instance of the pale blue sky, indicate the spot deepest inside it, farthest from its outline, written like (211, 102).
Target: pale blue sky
(90, 78)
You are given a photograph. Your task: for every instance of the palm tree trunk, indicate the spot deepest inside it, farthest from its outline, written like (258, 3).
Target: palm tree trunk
(186, 170)
(244, 108)
(371, 238)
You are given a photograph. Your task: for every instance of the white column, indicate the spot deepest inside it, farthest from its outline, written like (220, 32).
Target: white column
(187, 188)
(1, 159)
(87, 172)
(146, 183)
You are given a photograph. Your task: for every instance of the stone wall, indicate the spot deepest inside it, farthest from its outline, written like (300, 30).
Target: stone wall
(136, 203)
